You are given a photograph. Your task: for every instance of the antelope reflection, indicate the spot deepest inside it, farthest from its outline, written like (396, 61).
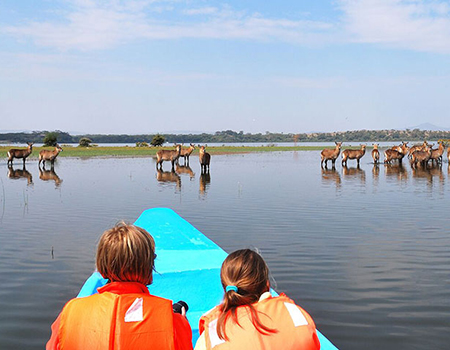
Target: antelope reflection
(331, 176)
(168, 176)
(429, 174)
(396, 170)
(49, 175)
(355, 173)
(376, 173)
(185, 169)
(23, 173)
(205, 179)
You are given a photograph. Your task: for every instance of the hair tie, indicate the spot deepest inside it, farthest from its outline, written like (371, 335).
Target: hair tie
(234, 288)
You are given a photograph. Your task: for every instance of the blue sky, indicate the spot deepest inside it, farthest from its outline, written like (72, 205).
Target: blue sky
(145, 66)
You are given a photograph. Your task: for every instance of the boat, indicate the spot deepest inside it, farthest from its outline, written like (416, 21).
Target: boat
(187, 267)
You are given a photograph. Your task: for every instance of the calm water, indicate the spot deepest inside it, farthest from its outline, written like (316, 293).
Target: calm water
(366, 251)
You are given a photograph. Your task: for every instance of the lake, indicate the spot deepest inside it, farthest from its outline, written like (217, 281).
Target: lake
(366, 251)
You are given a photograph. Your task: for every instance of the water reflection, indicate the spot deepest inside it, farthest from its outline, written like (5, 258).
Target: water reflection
(168, 176)
(429, 174)
(331, 176)
(397, 171)
(50, 175)
(23, 173)
(205, 179)
(376, 174)
(354, 173)
(185, 169)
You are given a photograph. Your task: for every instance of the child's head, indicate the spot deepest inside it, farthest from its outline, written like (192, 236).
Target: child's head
(246, 270)
(126, 253)
(244, 276)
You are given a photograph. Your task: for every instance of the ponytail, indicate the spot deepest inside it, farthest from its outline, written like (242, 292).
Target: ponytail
(245, 277)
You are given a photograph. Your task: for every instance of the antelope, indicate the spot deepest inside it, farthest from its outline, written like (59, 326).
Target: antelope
(48, 155)
(396, 154)
(168, 155)
(375, 153)
(353, 154)
(330, 154)
(421, 157)
(417, 148)
(185, 153)
(436, 154)
(448, 155)
(204, 158)
(19, 153)
(49, 175)
(19, 174)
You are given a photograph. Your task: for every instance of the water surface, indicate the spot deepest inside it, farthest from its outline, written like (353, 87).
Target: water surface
(364, 250)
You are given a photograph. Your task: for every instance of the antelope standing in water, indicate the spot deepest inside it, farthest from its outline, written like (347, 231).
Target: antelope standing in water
(436, 154)
(186, 152)
(417, 148)
(204, 158)
(19, 153)
(421, 157)
(375, 153)
(396, 153)
(168, 155)
(353, 154)
(330, 154)
(47, 155)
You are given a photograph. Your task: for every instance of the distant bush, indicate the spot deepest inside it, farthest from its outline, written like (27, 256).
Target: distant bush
(142, 144)
(158, 140)
(85, 142)
(51, 139)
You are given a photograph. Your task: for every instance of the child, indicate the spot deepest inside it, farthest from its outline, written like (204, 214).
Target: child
(123, 315)
(249, 317)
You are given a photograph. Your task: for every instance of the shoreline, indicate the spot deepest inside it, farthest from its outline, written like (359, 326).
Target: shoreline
(142, 152)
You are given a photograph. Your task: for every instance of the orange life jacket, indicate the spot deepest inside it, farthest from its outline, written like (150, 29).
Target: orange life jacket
(295, 328)
(117, 321)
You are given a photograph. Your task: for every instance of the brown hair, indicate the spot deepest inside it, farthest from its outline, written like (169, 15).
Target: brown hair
(246, 270)
(126, 253)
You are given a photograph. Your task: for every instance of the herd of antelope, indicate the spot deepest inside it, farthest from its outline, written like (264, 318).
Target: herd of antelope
(173, 156)
(44, 155)
(420, 155)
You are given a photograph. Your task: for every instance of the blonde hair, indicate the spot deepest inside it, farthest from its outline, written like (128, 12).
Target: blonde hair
(247, 271)
(126, 253)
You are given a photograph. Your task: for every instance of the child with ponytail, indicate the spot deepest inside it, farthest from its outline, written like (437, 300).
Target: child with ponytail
(249, 318)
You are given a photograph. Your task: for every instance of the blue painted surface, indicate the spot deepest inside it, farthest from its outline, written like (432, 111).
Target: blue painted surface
(187, 266)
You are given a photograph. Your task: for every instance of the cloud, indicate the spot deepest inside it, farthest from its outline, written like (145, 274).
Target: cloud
(201, 11)
(90, 25)
(414, 25)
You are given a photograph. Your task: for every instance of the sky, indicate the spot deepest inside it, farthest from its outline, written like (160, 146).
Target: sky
(179, 66)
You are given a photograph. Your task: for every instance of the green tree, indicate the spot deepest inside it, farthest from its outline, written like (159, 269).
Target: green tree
(85, 142)
(51, 139)
(158, 140)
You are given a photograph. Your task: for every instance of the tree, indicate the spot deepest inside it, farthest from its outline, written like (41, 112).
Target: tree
(158, 140)
(51, 139)
(85, 142)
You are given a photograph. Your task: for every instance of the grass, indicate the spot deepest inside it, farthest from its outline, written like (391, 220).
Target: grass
(124, 151)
